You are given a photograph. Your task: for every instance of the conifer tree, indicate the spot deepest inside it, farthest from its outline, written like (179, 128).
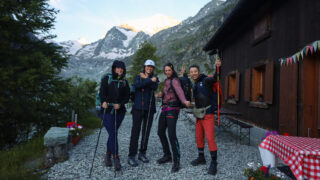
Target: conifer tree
(146, 51)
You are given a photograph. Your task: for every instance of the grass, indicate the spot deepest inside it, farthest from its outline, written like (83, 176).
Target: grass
(12, 161)
(90, 123)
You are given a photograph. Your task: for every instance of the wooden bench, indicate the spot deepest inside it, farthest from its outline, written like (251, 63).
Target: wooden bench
(244, 129)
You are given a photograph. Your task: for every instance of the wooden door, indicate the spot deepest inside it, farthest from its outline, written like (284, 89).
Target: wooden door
(310, 96)
(288, 99)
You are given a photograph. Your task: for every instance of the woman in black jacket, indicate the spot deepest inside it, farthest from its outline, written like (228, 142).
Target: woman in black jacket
(143, 109)
(114, 94)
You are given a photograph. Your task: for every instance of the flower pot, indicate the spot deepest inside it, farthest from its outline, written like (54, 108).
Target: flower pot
(75, 140)
(267, 157)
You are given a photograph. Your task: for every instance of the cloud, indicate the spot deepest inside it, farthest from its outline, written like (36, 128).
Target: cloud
(58, 4)
(83, 40)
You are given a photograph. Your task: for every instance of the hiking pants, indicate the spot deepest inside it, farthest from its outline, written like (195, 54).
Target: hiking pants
(168, 119)
(140, 117)
(109, 123)
(206, 127)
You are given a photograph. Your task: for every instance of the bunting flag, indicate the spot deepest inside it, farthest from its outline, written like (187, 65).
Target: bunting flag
(298, 56)
(307, 50)
(315, 46)
(311, 49)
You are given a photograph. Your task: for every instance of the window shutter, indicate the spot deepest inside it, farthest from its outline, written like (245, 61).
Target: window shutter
(247, 82)
(269, 83)
(226, 82)
(237, 86)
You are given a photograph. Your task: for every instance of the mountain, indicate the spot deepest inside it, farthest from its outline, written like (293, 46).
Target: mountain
(72, 46)
(94, 59)
(177, 42)
(182, 44)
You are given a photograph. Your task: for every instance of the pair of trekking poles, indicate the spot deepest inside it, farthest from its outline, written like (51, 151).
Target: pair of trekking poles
(115, 126)
(115, 139)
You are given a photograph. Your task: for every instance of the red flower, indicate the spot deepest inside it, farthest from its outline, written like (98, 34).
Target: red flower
(263, 169)
(286, 134)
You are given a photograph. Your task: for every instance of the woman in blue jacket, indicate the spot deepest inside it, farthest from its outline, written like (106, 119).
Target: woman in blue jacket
(143, 110)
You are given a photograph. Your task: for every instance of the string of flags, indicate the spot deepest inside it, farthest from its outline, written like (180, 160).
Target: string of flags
(309, 49)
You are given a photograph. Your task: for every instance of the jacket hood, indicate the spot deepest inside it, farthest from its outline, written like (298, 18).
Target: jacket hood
(118, 64)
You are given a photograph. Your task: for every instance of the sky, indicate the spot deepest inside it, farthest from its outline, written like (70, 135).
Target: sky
(91, 19)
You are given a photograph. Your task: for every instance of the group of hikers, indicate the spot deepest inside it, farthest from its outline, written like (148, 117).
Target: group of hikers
(115, 93)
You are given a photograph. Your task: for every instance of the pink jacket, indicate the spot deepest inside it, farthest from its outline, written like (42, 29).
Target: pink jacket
(169, 95)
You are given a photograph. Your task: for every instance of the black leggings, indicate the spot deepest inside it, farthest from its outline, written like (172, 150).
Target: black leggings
(168, 119)
(140, 117)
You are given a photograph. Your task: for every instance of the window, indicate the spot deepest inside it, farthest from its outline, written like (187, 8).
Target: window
(258, 87)
(262, 29)
(232, 83)
(258, 83)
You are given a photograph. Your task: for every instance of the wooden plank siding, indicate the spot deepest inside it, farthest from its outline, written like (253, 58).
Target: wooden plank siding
(247, 85)
(294, 25)
(269, 83)
(226, 83)
(288, 99)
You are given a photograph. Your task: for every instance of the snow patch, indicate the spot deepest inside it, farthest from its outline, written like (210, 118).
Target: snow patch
(114, 55)
(130, 35)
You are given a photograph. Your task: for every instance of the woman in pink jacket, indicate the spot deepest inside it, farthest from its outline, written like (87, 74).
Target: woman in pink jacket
(173, 97)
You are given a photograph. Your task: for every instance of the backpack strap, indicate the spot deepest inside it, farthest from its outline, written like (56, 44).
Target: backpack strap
(110, 79)
(174, 91)
(203, 89)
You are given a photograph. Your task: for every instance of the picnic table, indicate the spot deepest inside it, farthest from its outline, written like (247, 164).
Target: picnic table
(302, 154)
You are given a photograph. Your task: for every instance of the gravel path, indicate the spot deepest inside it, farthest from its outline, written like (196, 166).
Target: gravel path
(233, 158)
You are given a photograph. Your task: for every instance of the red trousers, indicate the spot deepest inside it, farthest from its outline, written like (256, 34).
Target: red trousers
(206, 127)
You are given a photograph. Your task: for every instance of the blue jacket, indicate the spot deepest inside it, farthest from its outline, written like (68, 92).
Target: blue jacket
(143, 90)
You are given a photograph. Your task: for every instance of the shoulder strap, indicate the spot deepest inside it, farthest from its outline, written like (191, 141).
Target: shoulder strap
(110, 79)
(203, 89)
(174, 91)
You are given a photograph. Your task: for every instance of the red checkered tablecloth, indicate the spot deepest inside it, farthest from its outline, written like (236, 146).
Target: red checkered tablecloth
(300, 153)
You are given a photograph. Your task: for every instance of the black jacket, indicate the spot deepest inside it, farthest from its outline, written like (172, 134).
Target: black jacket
(203, 93)
(115, 92)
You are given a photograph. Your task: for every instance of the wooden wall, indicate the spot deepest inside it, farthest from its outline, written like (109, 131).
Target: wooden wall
(293, 25)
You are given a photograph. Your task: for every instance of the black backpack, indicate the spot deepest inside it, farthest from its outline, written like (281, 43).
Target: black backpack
(186, 87)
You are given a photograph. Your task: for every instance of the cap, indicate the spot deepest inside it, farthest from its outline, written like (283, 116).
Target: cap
(149, 62)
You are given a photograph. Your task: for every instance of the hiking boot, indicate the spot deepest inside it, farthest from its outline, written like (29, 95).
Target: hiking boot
(142, 157)
(164, 159)
(213, 168)
(132, 161)
(198, 161)
(175, 167)
(107, 160)
(117, 165)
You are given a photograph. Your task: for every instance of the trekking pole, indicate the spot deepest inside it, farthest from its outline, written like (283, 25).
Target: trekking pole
(145, 133)
(218, 95)
(94, 155)
(115, 142)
